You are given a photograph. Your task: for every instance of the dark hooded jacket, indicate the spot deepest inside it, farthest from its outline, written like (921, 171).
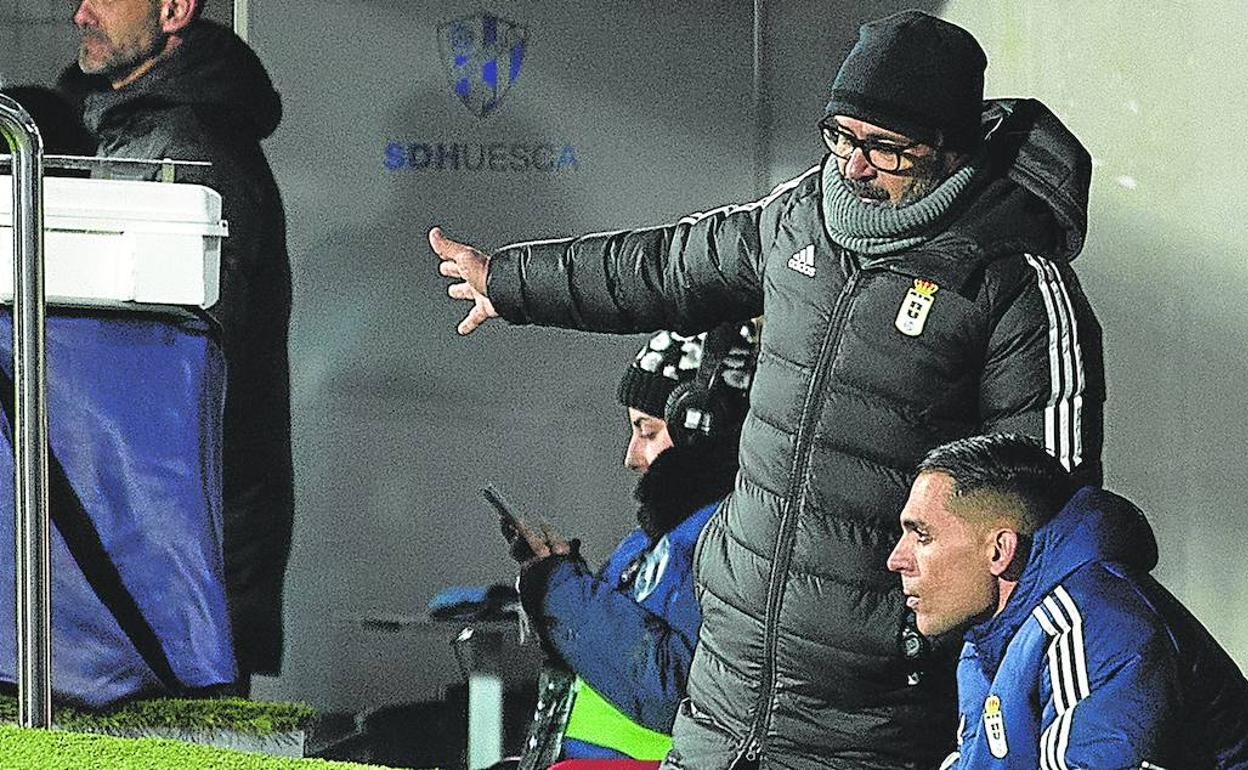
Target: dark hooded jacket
(1092, 663)
(799, 661)
(212, 100)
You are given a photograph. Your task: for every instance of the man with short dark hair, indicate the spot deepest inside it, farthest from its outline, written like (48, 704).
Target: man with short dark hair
(917, 288)
(1074, 655)
(157, 81)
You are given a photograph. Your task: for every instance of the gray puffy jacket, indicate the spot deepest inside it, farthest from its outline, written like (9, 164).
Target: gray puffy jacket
(799, 663)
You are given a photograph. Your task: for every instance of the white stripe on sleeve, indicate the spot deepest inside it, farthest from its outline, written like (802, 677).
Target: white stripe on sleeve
(732, 208)
(1061, 620)
(1063, 423)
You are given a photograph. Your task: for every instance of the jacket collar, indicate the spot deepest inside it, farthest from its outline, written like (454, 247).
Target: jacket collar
(213, 70)
(1034, 200)
(1094, 526)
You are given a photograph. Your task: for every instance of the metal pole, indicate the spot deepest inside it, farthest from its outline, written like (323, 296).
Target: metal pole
(758, 101)
(242, 19)
(30, 453)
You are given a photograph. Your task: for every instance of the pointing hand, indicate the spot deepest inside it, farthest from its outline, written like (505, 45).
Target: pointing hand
(459, 260)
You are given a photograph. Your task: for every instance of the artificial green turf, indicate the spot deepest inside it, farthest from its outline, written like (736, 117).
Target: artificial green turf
(243, 716)
(22, 749)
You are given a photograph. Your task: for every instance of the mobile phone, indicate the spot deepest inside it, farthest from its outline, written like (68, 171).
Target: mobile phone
(520, 549)
(499, 504)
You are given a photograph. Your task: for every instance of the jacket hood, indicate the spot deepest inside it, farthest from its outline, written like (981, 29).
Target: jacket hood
(1043, 157)
(213, 71)
(1094, 526)
(1031, 197)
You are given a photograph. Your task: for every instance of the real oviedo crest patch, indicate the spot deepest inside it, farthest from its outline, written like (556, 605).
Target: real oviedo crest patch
(994, 727)
(912, 315)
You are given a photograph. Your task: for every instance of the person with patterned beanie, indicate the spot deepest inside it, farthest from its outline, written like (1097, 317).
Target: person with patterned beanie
(628, 629)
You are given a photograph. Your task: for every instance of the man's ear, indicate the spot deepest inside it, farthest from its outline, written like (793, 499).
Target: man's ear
(175, 15)
(1006, 559)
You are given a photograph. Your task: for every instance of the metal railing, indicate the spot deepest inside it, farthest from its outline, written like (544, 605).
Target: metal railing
(30, 422)
(126, 168)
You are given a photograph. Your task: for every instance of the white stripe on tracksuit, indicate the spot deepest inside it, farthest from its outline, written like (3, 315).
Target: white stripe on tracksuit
(1068, 672)
(732, 208)
(1063, 416)
(694, 218)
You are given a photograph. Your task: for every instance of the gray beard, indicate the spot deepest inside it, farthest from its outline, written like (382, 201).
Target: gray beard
(923, 184)
(123, 60)
(921, 187)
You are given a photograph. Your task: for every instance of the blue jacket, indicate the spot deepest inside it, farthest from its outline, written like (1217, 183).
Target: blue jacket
(1093, 664)
(630, 629)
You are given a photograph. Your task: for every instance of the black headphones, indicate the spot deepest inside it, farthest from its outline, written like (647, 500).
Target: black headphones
(706, 410)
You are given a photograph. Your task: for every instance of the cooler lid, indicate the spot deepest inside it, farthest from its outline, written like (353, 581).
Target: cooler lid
(91, 204)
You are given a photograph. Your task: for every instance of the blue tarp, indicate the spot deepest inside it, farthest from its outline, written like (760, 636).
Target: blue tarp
(134, 420)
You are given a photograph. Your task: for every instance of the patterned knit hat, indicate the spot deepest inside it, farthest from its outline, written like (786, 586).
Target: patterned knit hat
(669, 359)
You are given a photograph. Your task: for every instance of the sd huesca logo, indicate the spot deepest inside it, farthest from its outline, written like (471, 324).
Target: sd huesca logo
(483, 54)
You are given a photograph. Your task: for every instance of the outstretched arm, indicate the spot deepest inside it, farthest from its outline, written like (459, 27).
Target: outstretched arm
(689, 275)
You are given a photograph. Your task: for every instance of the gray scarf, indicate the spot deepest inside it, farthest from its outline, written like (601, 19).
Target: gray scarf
(875, 229)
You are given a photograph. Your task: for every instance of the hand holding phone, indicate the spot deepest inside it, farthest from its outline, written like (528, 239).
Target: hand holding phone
(527, 542)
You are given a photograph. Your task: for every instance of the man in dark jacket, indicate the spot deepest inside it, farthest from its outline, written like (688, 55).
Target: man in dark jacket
(1074, 656)
(156, 81)
(629, 629)
(917, 289)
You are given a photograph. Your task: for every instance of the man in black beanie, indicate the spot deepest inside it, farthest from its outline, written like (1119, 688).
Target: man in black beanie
(918, 289)
(909, 97)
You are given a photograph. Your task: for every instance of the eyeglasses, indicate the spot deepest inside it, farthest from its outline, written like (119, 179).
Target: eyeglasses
(881, 155)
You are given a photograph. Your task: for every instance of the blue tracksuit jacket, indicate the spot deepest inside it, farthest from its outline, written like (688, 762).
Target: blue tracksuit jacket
(629, 632)
(1093, 664)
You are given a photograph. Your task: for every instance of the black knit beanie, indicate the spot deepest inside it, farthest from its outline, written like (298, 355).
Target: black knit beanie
(669, 359)
(917, 75)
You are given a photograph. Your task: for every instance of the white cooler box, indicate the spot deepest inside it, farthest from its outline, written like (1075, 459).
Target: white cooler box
(122, 244)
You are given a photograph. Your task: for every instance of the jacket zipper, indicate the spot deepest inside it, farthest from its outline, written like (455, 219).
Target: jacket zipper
(788, 521)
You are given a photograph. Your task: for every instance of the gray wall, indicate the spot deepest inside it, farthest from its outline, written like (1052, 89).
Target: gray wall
(37, 40)
(397, 421)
